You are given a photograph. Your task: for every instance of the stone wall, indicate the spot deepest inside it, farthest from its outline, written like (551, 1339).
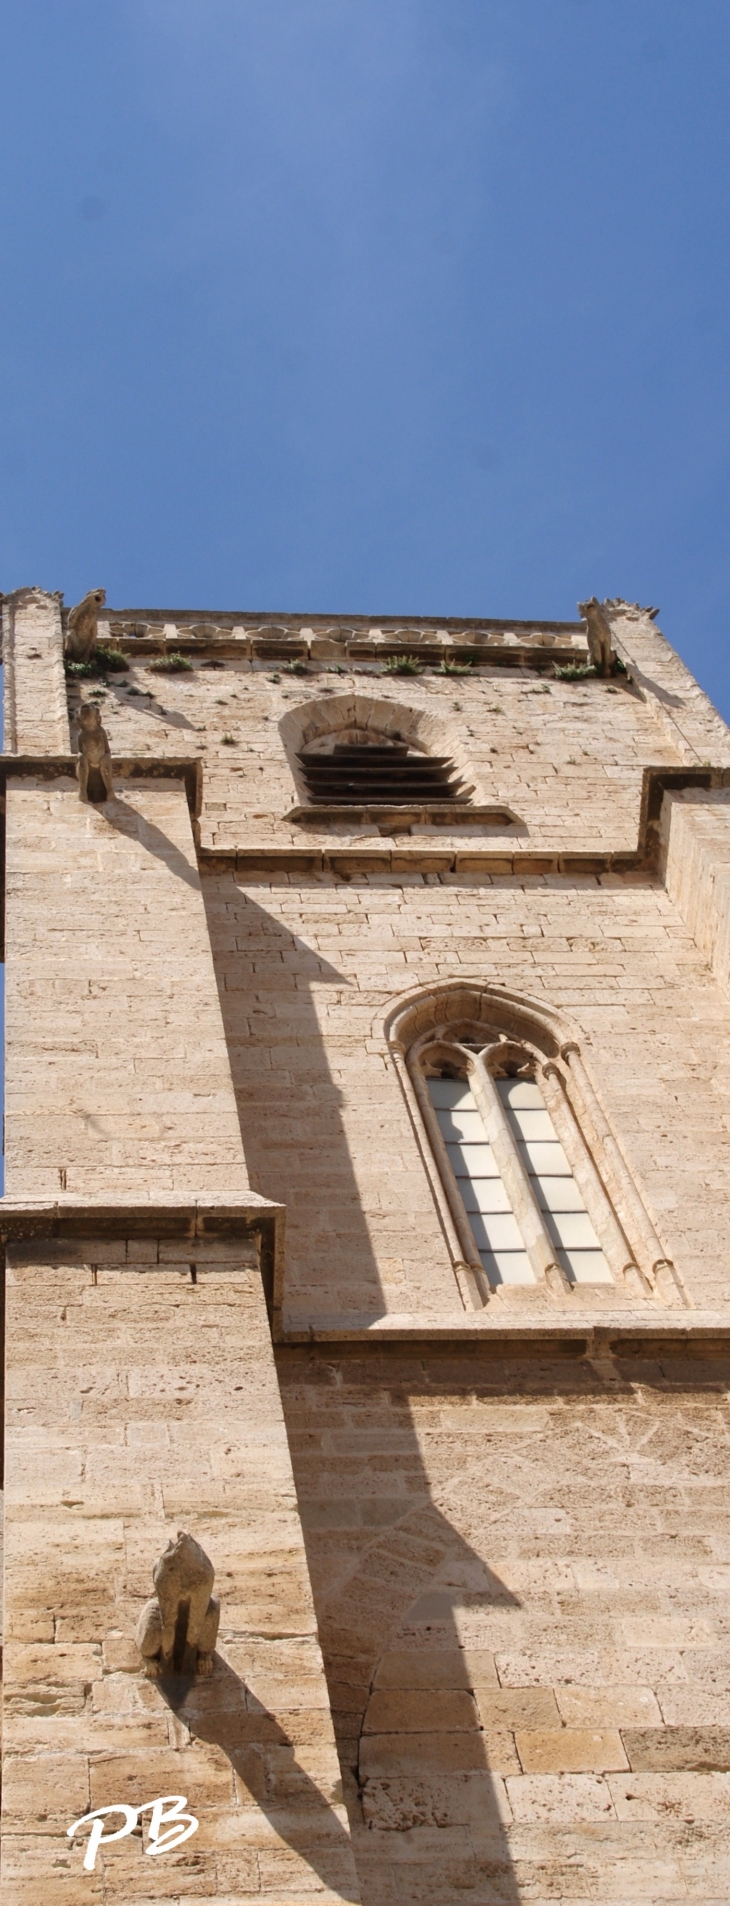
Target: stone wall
(513, 1523)
(565, 757)
(520, 1570)
(307, 970)
(140, 1401)
(141, 1393)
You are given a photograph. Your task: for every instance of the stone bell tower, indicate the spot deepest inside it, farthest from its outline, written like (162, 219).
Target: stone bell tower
(391, 1550)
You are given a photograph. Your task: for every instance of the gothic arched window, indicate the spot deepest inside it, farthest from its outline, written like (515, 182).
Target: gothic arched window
(515, 1131)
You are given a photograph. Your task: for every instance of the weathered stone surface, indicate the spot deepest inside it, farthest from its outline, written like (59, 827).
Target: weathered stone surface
(519, 1553)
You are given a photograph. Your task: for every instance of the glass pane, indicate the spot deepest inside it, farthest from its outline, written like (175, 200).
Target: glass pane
(538, 1158)
(484, 1194)
(573, 1229)
(532, 1124)
(556, 1193)
(460, 1123)
(450, 1092)
(495, 1229)
(473, 1161)
(507, 1267)
(587, 1267)
(520, 1092)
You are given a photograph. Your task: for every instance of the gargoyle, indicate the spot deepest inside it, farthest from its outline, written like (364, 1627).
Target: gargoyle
(94, 766)
(83, 632)
(178, 1629)
(599, 635)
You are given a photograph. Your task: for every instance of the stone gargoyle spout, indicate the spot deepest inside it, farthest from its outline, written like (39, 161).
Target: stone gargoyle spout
(178, 1628)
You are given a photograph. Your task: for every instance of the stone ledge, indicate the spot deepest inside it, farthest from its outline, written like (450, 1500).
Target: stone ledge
(246, 1214)
(52, 767)
(582, 1329)
(354, 858)
(519, 863)
(161, 1216)
(403, 817)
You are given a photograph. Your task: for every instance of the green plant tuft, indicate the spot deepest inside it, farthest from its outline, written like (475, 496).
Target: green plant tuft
(229, 741)
(587, 672)
(454, 668)
(172, 664)
(296, 667)
(103, 662)
(576, 672)
(402, 665)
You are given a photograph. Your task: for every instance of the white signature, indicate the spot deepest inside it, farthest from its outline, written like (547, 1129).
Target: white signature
(166, 1813)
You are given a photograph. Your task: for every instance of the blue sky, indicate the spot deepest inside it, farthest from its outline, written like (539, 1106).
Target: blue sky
(407, 305)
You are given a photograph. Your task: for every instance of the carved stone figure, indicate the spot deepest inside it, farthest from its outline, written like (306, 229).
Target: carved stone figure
(83, 631)
(599, 635)
(178, 1629)
(94, 768)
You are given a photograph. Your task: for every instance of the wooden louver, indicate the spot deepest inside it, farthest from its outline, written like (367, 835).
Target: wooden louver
(356, 775)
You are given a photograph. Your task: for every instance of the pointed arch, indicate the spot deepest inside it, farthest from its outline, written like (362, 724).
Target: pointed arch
(533, 1189)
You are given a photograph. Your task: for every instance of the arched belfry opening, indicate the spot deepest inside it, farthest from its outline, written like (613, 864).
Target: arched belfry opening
(358, 751)
(357, 765)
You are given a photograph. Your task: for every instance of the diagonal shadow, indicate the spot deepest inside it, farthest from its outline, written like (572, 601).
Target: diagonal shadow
(391, 1575)
(128, 820)
(221, 1709)
(171, 717)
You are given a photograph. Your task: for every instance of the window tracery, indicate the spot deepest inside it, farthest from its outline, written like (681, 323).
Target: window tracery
(531, 1184)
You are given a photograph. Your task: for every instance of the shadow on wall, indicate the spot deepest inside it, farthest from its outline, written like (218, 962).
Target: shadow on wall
(223, 1711)
(391, 1574)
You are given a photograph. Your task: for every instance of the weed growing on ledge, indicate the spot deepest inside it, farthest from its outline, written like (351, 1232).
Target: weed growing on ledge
(229, 741)
(172, 664)
(586, 672)
(454, 668)
(103, 662)
(402, 665)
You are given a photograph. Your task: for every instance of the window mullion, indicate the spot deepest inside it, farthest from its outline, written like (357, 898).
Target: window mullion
(455, 1203)
(540, 1250)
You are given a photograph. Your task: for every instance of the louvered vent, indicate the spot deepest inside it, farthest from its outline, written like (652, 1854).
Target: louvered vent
(356, 775)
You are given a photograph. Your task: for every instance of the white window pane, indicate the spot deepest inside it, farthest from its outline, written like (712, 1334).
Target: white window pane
(497, 1232)
(507, 1267)
(557, 1194)
(532, 1124)
(522, 1092)
(484, 1194)
(460, 1124)
(586, 1267)
(573, 1229)
(494, 1226)
(540, 1158)
(473, 1161)
(450, 1092)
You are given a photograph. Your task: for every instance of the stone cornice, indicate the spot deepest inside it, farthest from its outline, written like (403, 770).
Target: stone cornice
(415, 854)
(236, 1215)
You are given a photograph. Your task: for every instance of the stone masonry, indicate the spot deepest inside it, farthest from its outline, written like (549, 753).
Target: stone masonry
(472, 1552)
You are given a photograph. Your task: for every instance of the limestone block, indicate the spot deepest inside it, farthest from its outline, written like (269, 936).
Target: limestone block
(681, 1796)
(569, 1750)
(560, 1797)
